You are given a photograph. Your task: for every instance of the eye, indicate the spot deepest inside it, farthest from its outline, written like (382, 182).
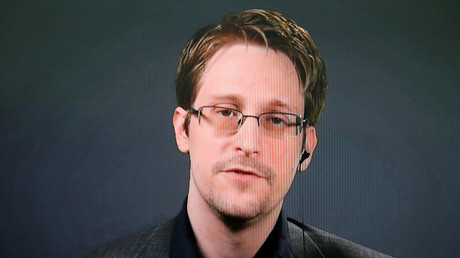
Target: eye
(227, 112)
(277, 120)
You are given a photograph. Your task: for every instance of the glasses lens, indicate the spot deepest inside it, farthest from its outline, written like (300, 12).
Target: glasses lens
(278, 125)
(222, 119)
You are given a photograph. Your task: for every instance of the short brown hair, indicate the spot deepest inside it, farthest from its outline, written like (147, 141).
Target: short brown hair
(263, 27)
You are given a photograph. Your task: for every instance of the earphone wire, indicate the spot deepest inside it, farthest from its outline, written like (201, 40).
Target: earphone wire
(303, 224)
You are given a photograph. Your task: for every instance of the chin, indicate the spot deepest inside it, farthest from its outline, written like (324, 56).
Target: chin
(237, 208)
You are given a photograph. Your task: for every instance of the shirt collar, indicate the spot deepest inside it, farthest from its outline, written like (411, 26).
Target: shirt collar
(183, 241)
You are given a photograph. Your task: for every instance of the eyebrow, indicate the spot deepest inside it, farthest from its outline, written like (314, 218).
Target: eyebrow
(237, 99)
(276, 103)
(233, 98)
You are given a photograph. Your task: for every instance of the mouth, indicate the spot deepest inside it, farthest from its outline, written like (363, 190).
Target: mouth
(243, 172)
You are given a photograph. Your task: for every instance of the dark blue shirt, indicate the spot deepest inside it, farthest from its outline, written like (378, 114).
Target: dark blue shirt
(183, 241)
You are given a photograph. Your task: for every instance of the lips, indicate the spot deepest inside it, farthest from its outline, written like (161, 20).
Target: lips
(244, 168)
(243, 171)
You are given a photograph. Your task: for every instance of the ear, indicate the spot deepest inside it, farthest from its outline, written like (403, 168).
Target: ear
(310, 144)
(179, 129)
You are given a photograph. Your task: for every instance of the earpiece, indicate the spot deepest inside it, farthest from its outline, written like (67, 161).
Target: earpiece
(305, 155)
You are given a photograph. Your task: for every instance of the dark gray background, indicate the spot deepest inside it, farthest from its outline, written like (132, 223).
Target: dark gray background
(87, 150)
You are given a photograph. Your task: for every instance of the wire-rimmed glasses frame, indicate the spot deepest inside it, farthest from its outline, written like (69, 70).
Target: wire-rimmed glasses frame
(274, 124)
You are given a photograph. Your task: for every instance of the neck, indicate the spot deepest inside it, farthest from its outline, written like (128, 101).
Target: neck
(218, 236)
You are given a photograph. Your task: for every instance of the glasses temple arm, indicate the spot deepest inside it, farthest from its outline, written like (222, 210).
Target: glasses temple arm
(193, 111)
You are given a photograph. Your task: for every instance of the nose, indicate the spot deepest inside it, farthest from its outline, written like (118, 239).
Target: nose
(247, 138)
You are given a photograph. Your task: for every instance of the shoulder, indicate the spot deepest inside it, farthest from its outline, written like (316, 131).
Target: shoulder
(151, 242)
(314, 242)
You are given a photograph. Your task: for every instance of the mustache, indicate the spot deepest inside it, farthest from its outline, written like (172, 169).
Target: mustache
(245, 162)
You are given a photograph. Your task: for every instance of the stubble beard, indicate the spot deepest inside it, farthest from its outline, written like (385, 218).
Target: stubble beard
(239, 209)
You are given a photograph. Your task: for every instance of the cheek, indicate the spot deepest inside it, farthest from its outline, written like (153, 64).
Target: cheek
(205, 148)
(283, 156)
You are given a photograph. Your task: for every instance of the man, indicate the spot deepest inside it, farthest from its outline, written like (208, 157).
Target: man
(250, 91)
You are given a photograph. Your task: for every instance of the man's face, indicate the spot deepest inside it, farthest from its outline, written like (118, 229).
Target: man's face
(244, 174)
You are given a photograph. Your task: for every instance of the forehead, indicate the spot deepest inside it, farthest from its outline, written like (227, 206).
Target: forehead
(251, 74)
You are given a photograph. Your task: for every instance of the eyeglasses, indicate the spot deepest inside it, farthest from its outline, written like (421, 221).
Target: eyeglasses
(273, 124)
